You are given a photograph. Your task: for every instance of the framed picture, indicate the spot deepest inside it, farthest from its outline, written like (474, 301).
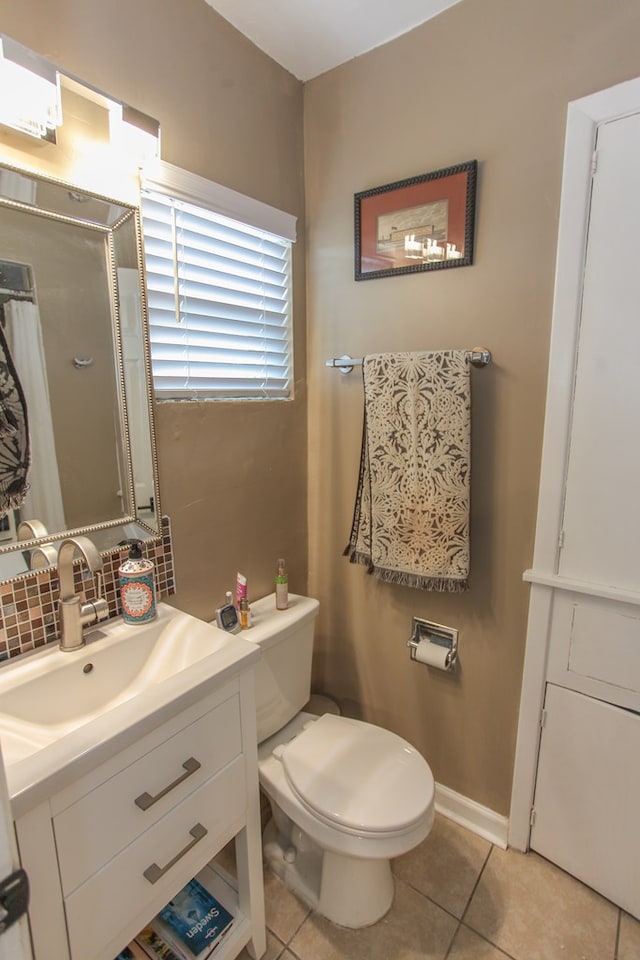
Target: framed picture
(423, 223)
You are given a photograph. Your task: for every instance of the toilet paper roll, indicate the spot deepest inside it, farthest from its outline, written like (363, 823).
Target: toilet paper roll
(432, 654)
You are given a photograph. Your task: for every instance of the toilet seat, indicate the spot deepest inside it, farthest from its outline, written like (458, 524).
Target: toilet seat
(357, 777)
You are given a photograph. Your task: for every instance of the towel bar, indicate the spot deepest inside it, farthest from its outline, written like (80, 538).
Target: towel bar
(478, 357)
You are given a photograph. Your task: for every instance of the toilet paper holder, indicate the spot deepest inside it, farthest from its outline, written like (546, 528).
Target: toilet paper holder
(437, 634)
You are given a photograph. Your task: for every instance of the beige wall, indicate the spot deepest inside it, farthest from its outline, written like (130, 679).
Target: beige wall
(489, 79)
(233, 476)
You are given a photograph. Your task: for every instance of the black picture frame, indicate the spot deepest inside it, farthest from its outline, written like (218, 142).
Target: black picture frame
(422, 223)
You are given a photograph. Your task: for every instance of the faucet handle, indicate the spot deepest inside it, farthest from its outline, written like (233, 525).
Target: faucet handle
(93, 610)
(99, 604)
(99, 579)
(99, 609)
(96, 609)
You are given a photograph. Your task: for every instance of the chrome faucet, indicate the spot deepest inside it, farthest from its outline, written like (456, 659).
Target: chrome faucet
(74, 614)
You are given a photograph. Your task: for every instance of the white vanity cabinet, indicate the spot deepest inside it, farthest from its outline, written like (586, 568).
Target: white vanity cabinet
(108, 850)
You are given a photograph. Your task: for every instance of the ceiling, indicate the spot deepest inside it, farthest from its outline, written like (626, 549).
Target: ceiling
(309, 37)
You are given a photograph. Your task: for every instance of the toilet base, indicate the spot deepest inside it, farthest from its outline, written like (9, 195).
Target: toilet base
(349, 891)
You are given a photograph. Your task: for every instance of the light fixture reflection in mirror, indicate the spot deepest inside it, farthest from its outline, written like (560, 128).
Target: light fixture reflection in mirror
(34, 105)
(81, 290)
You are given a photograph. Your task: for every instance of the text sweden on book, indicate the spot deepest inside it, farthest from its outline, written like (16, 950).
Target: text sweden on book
(202, 923)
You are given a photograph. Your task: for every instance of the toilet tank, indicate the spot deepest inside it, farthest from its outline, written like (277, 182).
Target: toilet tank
(283, 673)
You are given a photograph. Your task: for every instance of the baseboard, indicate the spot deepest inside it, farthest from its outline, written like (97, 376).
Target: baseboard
(486, 823)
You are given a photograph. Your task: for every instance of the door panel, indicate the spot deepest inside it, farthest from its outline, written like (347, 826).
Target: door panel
(601, 517)
(605, 645)
(587, 789)
(594, 647)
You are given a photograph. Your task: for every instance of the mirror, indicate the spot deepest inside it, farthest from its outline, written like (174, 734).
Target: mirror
(73, 315)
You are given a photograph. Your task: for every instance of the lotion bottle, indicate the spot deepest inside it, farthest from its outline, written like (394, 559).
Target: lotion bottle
(137, 587)
(241, 589)
(282, 586)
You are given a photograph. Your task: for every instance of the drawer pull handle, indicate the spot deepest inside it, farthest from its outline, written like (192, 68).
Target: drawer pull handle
(145, 800)
(154, 872)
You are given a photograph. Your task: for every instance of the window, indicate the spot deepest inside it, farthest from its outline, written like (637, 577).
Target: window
(219, 289)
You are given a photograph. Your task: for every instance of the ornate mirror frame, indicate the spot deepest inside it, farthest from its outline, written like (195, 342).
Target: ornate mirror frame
(117, 226)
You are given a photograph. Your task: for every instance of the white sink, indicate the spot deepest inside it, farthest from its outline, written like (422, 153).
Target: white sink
(56, 707)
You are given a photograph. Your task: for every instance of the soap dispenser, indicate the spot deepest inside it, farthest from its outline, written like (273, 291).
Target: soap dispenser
(137, 587)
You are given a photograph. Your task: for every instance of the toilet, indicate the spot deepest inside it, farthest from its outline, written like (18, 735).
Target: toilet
(345, 796)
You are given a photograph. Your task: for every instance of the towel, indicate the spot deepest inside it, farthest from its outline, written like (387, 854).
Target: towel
(411, 516)
(15, 455)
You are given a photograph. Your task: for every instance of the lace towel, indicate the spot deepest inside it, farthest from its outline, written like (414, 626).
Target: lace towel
(411, 516)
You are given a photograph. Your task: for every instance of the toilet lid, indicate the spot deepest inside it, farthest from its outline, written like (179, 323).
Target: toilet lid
(358, 776)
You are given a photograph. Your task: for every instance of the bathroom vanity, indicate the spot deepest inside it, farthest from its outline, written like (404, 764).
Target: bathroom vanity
(115, 815)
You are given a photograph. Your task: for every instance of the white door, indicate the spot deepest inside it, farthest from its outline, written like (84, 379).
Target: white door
(588, 778)
(14, 942)
(601, 525)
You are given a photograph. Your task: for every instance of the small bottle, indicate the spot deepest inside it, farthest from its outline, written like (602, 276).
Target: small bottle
(244, 613)
(137, 588)
(282, 587)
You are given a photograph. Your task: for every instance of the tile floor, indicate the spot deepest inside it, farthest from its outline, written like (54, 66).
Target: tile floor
(458, 897)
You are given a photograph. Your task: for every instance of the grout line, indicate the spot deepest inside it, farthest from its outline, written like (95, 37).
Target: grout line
(425, 896)
(301, 924)
(276, 938)
(475, 886)
(293, 953)
(286, 943)
(283, 946)
(493, 945)
(453, 940)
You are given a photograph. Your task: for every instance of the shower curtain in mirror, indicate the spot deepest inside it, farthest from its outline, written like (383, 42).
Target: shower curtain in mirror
(14, 435)
(44, 496)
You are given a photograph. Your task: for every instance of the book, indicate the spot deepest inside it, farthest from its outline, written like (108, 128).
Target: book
(154, 946)
(132, 952)
(193, 922)
(183, 953)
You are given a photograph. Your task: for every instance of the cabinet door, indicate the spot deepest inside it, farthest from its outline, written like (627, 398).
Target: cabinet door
(601, 522)
(588, 775)
(14, 942)
(587, 788)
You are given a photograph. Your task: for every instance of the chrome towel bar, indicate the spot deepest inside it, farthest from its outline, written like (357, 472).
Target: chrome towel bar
(478, 357)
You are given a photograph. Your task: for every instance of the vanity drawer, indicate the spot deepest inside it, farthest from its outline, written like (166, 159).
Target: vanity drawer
(91, 831)
(119, 898)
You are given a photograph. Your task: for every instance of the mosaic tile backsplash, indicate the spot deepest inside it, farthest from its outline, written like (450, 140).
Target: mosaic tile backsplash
(29, 603)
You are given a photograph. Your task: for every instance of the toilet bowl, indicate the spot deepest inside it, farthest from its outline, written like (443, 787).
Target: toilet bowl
(345, 796)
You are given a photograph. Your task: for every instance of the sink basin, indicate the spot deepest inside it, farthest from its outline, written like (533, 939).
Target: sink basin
(56, 707)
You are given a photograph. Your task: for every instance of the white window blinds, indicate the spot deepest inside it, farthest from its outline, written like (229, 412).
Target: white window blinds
(219, 304)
